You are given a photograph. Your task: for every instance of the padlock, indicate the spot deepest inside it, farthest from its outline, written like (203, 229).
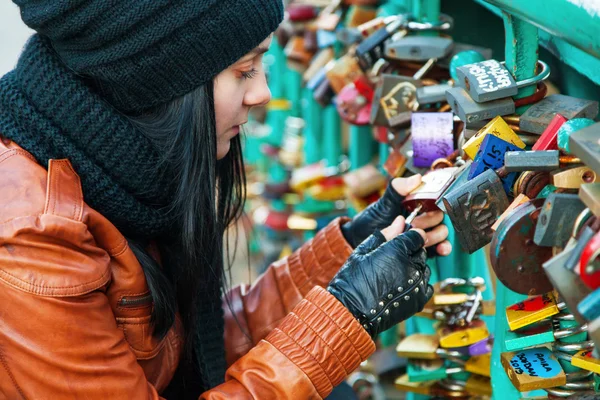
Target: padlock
(301, 12)
(496, 127)
(532, 310)
(357, 15)
(548, 140)
(297, 56)
(317, 66)
(330, 17)
(585, 144)
(418, 48)
(589, 267)
(395, 165)
(432, 94)
(451, 337)
(479, 385)
(491, 156)
(371, 49)
(428, 370)
(433, 185)
(555, 223)
(352, 106)
(365, 180)
(479, 365)
(520, 199)
(515, 257)
(570, 287)
(533, 369)
(573, 178)
(518, 161)
(432, 136)
(584, 359)
(476, 114)
(477, 349)
(424, 347)
(589, 193)
(461, 177)
(348, 36)
(539, 334)
(403, 384)
(473, 208)
(490, 80)
(419, 346)
(343, 71)
(537, 118)
(398, 98)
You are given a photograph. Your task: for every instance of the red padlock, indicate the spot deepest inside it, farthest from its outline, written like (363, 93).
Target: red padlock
(301, 12)
(548, 140)
(590, 253)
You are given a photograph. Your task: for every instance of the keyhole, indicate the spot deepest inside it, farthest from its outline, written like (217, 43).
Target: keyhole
(589, 176)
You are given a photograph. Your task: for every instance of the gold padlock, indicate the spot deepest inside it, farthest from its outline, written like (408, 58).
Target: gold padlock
(461, 337)
(520, 199)
(533, 369)
(573, 178)
(404, 385)
(419, 346)
(479, 385)
(583, 359)
(479, 365)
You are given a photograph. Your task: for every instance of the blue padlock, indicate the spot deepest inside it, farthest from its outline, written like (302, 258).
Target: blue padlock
(491, 156)
(325, 38)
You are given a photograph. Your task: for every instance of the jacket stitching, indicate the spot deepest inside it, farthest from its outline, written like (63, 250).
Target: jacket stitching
(309, 354)
(143, 353)
(55, 287)
(10, 153)
(122, 242)
(12, 378)
(77, 206)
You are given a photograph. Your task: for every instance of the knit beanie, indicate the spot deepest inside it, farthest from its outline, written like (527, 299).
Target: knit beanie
(142, 53)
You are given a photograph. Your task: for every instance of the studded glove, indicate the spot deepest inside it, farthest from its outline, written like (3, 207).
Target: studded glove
(384, 283)
(376, 217)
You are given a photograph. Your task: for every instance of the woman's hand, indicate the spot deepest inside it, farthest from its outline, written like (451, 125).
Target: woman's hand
(382, 213)
(386, 279)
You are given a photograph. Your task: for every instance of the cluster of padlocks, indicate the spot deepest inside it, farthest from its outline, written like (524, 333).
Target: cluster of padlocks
(517, 173)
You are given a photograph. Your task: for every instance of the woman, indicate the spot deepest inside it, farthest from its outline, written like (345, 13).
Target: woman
(120, 169)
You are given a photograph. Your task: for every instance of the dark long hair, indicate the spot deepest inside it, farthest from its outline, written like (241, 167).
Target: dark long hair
(210, 196)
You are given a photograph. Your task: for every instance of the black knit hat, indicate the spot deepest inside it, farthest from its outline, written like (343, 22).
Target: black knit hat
(141, 53)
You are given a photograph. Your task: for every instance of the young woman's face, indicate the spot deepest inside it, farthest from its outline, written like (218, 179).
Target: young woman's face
(237, 89)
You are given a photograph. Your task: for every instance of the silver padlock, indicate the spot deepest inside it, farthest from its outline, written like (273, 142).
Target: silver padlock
(432, 94)
(418, 48)
(474, 114)
(490, 80)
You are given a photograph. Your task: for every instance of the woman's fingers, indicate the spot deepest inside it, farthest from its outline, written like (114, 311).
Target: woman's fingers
(437, 235)
(444, 248)
(395, 229)
(428, 220)
(404, 186)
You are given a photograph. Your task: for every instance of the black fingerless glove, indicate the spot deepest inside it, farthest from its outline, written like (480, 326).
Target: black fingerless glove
(374, 218)
(384, 283)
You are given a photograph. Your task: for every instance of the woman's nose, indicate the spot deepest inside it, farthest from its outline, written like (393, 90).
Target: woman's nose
(259, 93)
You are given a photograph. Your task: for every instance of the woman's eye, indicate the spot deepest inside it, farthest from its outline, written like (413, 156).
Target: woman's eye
(249, 74)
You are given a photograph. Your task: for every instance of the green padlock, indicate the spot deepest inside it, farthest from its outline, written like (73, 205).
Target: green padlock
(428, 370)
(539, 334)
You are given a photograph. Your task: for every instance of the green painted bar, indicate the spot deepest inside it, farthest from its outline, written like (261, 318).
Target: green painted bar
(332, 136)
(576, 22)
(312, 113)
(521, 52)
(361, 146)
(566, 52)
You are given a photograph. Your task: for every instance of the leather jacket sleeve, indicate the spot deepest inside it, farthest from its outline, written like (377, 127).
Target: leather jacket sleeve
(252, 312)
(60, 340)
(312, 350)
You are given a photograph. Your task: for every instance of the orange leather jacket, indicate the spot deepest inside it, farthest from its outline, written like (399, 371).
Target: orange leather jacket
(75, 306)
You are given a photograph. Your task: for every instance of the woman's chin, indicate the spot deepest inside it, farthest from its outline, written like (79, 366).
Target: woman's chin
(223, 149)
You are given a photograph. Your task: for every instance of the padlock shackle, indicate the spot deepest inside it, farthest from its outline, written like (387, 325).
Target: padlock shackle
(541, 76)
